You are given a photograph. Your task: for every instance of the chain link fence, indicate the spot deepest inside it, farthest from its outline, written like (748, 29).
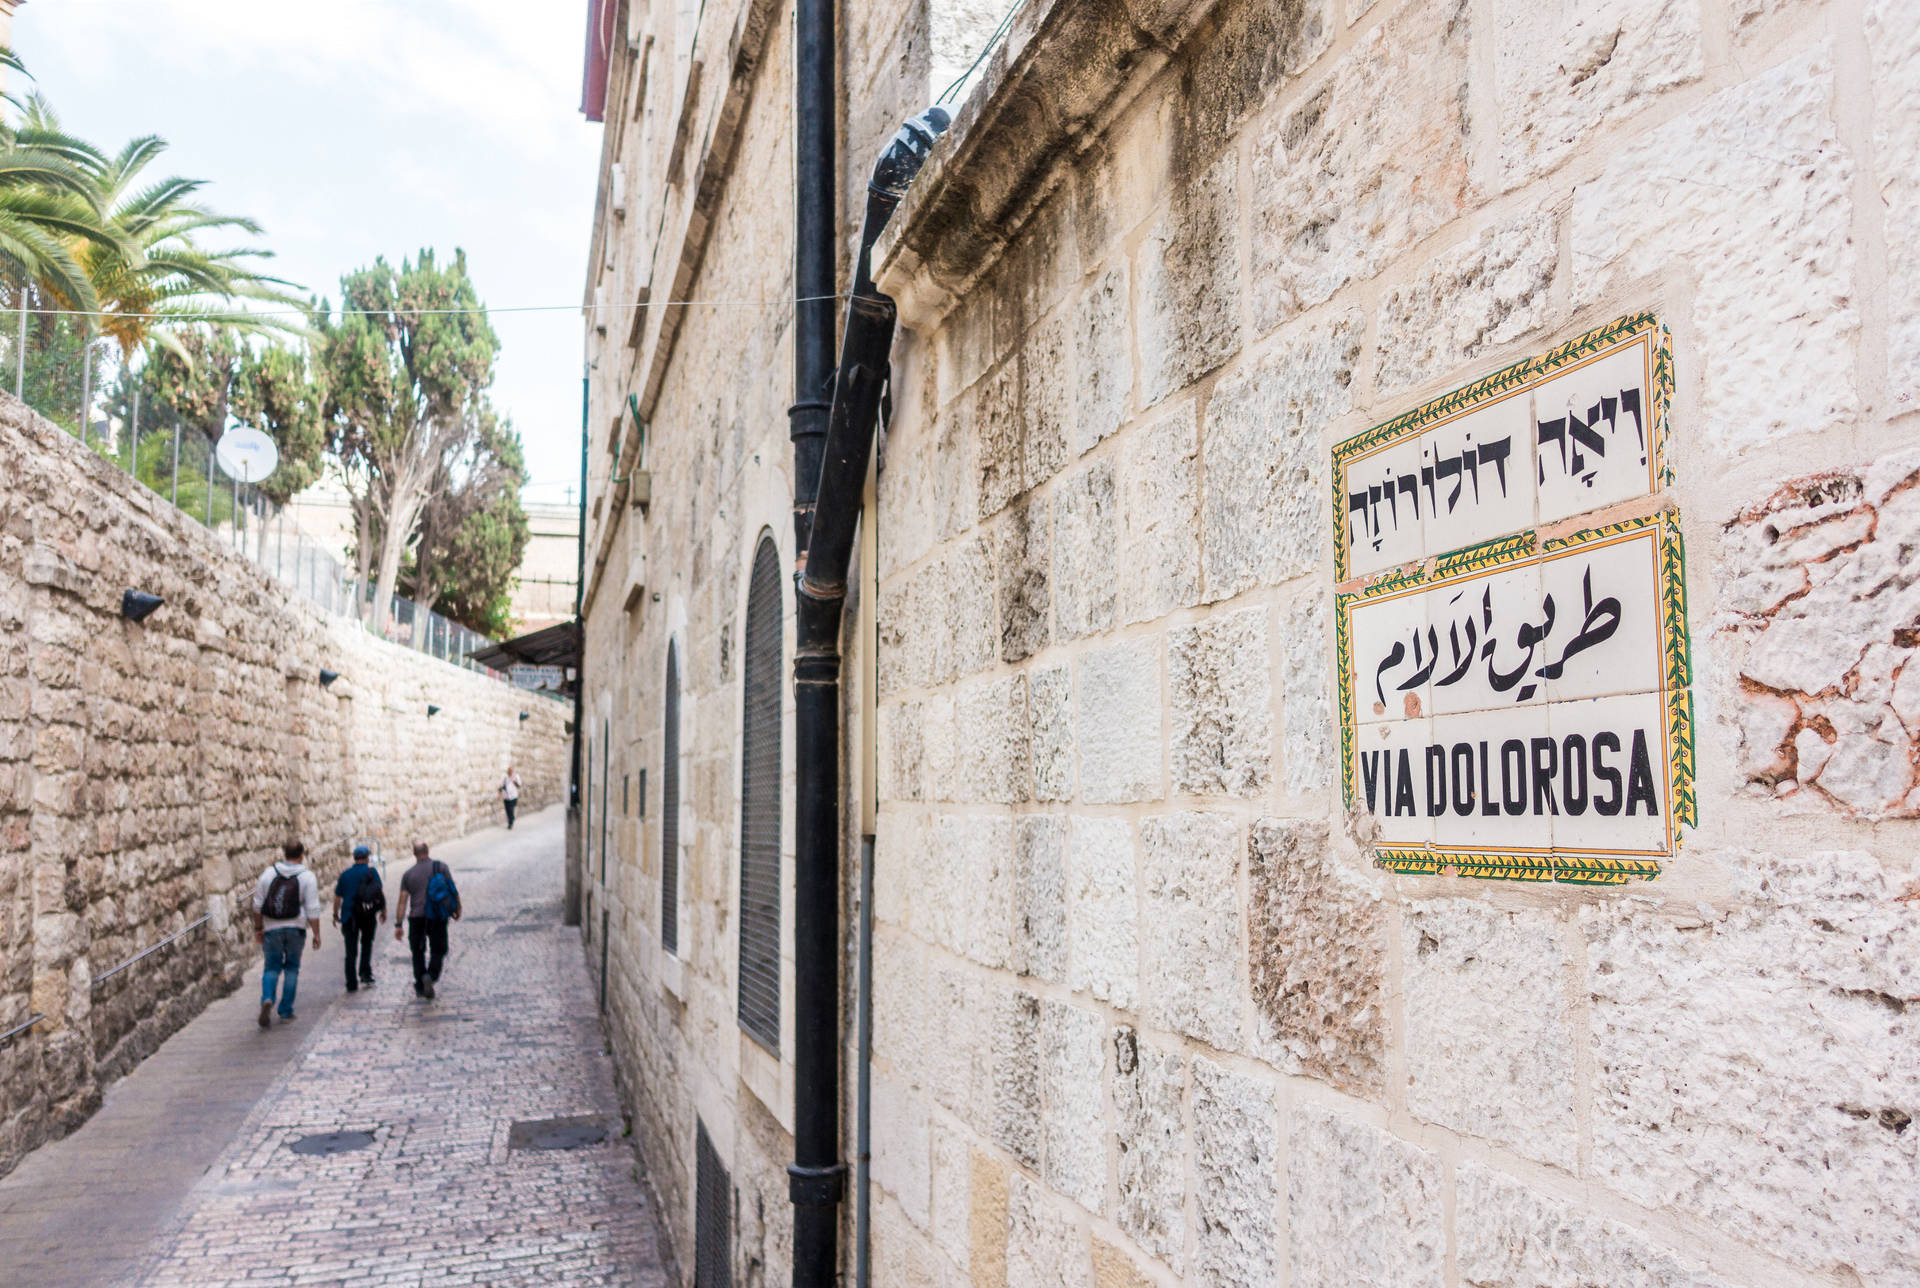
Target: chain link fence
(51, 366)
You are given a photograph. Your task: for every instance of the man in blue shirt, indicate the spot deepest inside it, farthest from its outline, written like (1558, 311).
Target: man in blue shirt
(359, 905)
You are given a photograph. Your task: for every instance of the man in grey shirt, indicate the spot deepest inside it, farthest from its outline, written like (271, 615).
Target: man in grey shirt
(429, 899)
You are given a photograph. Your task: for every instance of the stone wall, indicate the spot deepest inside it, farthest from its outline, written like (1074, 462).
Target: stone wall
(1146, 1011)
(149, 772)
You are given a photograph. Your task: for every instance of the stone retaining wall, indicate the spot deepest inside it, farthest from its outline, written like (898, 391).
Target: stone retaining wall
(148, 772)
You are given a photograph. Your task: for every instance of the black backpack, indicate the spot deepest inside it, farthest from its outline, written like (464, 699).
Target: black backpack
(369, 897)
(283, 897)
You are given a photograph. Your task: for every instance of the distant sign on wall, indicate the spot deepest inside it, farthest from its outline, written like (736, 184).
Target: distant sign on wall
(538, 677)
(1514, 671)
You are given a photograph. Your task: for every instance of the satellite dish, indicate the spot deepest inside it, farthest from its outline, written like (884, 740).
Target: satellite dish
(246, 454)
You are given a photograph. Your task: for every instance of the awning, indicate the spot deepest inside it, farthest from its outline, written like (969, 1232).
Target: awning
(554, 646)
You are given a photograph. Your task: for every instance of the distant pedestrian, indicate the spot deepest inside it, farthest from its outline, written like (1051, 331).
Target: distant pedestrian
(510, 794)
(286, 904)
(431, 899)
(359, 903)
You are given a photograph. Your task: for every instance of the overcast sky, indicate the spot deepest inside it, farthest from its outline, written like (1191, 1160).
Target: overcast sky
(356, 128)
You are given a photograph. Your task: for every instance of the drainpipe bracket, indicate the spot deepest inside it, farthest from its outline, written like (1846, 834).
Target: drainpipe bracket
(816, 1186)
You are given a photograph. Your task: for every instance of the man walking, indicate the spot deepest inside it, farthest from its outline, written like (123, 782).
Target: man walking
(359, 903)
(510, 794)
(286, 903)
(431, 899)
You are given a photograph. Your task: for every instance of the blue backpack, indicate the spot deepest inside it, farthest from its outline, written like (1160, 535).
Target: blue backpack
(443, 897)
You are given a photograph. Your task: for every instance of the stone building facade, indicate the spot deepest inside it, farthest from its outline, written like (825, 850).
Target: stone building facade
(1158, 996)
(149, 771)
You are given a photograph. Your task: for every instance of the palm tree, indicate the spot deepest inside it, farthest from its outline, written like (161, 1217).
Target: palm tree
(47, 211)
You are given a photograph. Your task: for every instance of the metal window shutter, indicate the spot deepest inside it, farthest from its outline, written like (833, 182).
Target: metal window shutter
(712, 1215)
(670, 809)
(760, 805)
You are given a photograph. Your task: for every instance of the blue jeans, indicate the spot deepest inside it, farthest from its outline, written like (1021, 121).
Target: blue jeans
(283, 948)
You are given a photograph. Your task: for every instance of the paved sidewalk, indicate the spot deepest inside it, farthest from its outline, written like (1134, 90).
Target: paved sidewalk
(187, 1177)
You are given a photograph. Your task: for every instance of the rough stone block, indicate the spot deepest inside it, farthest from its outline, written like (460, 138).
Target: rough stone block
(1238, 59)
(1045, 1247)
(991, 721)
(1747, 194)
(1221, 689)
(1117, 722)
(1159, 534)
(1307, 726)
(1893, 43)
(1085, 572)
(1149, 1144)
(1191, 925)
(999, 441)
(983, 895)
(1372, 162)
(1188, 283)
(1040, 897)
(1513, 1236)
(1073, 1133)
(1023, 582)
(1044, 368)
(902, 754)
(1363, 1206)
(901, 1146)
(1487, 1008)
(988, 1226)
(1469, 301)
(1050, 725)
(1016, 1076)
(1317, 947)
(1746, 1059)
(1236, 1151)
(1103, 345)
(1262, 519)
(951, 1219)
(1560, 74)
(1103, 931)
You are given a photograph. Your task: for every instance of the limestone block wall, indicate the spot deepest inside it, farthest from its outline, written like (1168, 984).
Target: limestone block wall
(149, 772)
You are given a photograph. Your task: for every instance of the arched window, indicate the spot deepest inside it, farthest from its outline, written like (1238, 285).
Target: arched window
(670, 808)
(760, 804)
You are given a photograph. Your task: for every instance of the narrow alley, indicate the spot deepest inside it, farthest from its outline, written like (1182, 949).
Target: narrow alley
(193, 1171)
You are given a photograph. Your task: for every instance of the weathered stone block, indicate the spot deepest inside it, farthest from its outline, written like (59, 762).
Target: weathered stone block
(991, 721)
(1236, 1151)
(1045, 1247)
(1040, 897)
(1159, 533)
(1317, 946)
(1149, 1144)
(1307, 727)
(901, 1146)
(1561, 74)
(1023, 582)
(1893, 43)
(1748, 195)
(952, 1215)
(1375, 160)
(902, 753)
(1468, 302)
(1188, 284)
(1263, 517)
(1363, 1207)
(1191, 925)
(1117, 722)
(1050, 725)
(1513, 1236)
(1085, 578)
(1103, 933)
(1487, 1007)
(1044, 367)
(1073, 1133)
(1712, 1105)
(1103, 345)
(1222, 705)
(999, 444)
(1016, 1076)
(989, 1224)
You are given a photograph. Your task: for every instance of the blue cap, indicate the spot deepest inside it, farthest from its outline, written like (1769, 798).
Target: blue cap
(361, 851)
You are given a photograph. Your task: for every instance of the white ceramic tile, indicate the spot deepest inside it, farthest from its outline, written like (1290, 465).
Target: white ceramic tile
(1484, 626)
(1476, 475)
(1612, 787)
(1593, 427)
(1494, 752)
(1388, 780)
(1606, 619)
(1392, 647)
(1385, 509)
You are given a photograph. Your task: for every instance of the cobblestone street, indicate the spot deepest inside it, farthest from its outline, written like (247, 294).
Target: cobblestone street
(446, 1192)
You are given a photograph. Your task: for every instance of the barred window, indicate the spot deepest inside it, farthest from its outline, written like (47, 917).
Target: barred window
(712, 1215)
(760, 804)
(669, 807)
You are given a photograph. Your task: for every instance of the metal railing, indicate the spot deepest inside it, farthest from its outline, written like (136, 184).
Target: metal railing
(17, 1029)
(142, 955)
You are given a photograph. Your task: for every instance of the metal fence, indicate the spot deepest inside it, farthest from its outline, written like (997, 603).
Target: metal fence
(76, 385)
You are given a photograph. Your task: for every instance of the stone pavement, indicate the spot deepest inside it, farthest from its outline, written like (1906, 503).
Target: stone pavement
(188, 1178)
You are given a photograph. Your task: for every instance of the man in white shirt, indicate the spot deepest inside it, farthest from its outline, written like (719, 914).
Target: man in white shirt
(510, 794)
(286, 904)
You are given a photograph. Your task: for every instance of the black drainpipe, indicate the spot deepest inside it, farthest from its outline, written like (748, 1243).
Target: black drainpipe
(817, 1177)
(576, 872)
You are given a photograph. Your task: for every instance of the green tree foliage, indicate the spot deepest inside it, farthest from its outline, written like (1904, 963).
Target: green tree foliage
(473, 532)
(406, 366)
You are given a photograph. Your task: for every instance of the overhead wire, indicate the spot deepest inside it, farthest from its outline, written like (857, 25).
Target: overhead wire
(1006, 21)
(523, 308)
